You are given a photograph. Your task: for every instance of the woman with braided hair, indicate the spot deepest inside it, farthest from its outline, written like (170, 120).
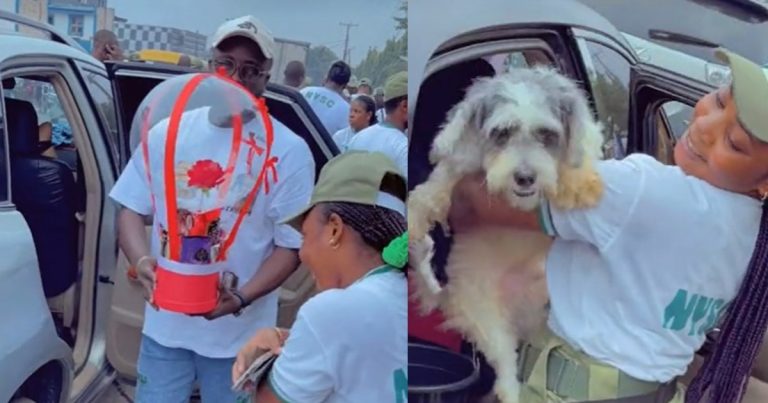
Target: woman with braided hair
(349, 342)
(670, 252)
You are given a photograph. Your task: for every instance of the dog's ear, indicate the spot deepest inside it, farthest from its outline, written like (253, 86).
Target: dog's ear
(583, 133)
(479, 102)
(479, 110)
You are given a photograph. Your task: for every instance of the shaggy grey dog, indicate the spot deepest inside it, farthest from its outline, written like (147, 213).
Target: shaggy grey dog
(532, 133)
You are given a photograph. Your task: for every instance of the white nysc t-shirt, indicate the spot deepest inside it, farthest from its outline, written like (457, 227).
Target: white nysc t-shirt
(384, 138)
(343, 137)
(259, 233)
(329, 106)
(348, 345)
(637, 281)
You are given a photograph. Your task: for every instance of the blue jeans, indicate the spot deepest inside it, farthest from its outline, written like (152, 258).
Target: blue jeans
(168, 375)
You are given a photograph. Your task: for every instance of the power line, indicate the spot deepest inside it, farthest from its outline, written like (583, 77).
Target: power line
(349, 26)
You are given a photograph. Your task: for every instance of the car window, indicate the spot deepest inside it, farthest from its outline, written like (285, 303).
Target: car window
(609, 74)
(678, 115)
(504, 61)
(100, 90)
(42, 96)
(54, 125)
(672, 119)
(4, 171)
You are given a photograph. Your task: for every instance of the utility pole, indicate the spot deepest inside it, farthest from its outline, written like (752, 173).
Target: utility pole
(349, 26)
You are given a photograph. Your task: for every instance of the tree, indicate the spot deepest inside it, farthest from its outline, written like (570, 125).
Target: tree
(402, 21)
(378, 65)
(319, 60)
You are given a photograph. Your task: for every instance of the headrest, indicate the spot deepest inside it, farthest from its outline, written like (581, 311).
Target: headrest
(23, 132)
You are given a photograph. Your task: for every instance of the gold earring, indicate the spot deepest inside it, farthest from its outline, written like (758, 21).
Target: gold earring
(334, 244)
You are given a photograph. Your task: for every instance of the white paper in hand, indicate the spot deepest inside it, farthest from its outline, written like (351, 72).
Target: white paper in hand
(258, 369)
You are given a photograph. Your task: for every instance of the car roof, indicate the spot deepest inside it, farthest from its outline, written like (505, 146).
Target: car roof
(14, 45)
(436, 23)
(737, 29)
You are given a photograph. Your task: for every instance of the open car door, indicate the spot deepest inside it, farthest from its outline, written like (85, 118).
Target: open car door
(131, 82)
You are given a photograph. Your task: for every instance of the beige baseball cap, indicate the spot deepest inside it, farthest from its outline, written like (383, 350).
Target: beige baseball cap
(354, 177)
(396, 86)
(248, 27)
(750, 92)
(353, 83)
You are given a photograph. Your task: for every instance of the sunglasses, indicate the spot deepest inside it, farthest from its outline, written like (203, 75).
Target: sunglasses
(246, 71)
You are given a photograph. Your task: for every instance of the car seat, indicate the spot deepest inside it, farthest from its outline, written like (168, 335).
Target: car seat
(43, 190)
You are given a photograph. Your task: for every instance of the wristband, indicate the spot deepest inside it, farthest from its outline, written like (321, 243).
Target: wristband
(243, 303)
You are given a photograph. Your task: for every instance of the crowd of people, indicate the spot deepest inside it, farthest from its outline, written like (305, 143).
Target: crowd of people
(360, 120)
(348, 228)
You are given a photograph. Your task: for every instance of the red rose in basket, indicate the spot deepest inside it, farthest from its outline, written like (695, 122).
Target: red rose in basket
(205, 175)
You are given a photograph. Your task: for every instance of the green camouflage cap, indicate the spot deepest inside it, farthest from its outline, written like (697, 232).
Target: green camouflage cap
(353, 177)
(378, 91)
(396, 86)
(365, 81)
(750, 92)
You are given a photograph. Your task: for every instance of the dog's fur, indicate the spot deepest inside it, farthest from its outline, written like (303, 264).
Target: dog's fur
(532, 133)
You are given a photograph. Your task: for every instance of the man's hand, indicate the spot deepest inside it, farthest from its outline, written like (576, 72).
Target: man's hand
(145, 269)
(265, 340)
(228, 304)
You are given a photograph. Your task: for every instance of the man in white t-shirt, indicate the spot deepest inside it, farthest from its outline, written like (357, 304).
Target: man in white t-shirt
(389, 136)
(177, 350)
(327, 101)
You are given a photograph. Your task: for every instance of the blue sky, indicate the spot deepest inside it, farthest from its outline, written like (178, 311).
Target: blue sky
(314, 21)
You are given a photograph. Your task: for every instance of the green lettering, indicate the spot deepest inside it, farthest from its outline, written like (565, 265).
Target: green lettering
(702, 307)
(713, 317)
(401, 386)
(678, 311)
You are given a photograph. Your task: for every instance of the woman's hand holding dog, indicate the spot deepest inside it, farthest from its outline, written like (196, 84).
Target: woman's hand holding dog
(472, 206)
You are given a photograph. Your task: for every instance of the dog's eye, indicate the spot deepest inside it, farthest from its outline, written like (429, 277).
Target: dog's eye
(547, 137)
(500, 135)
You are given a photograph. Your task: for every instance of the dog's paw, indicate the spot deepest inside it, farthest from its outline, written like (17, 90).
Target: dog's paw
(425, 208)
(420, 250)
(578, 188)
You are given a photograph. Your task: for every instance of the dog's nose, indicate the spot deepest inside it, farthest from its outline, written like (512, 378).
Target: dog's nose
(525, 179)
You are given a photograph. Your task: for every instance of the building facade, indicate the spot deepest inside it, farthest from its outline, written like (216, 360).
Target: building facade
(80, 19)
(33, 9)
(136, 37)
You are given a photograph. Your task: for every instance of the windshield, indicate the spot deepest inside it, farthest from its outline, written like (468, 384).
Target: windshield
(737, 27)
